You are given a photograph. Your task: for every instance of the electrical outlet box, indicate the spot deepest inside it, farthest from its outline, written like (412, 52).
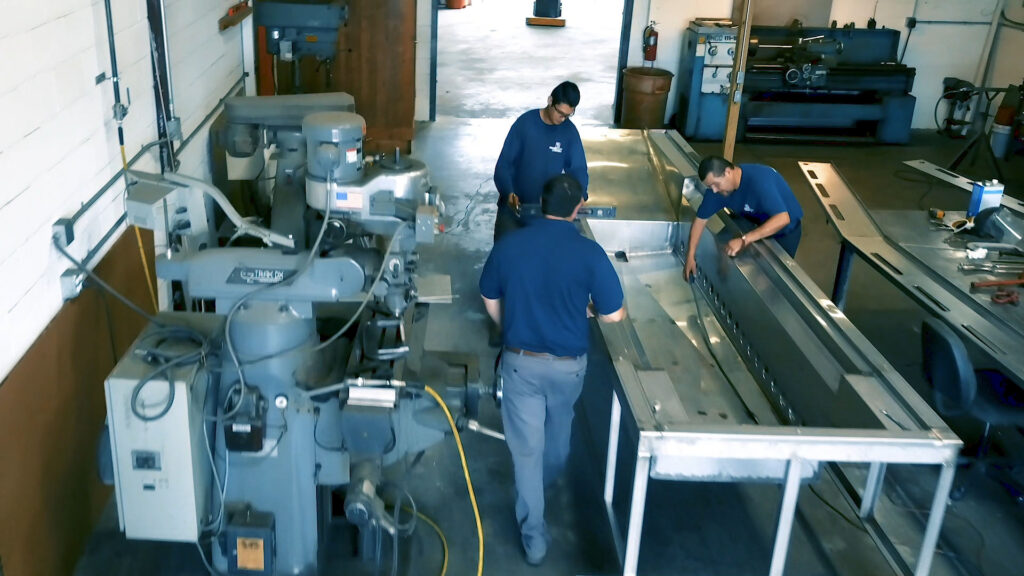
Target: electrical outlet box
(64, 232)
(71, 283)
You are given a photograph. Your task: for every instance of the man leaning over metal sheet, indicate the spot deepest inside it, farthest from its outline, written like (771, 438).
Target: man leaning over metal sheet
(755, 191)
(540, 284)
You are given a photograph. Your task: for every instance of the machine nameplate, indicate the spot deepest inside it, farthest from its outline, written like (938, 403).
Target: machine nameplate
(348, 200)
(249, 275)
(250, 554)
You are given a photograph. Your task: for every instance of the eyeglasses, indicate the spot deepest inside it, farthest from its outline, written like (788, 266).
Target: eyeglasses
(561, 114)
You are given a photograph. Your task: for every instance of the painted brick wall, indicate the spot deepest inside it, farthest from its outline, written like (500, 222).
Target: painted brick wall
(58, 140)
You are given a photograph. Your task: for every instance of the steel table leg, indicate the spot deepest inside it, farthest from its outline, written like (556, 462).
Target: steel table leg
(636, 512)
(787, 511)
(843, 267)
(872, 489)
(609, 472)
(935, 516)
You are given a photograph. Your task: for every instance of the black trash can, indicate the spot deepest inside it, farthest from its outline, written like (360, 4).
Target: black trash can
(547, 8)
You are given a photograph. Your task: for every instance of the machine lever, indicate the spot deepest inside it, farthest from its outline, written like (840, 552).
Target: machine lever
(477, 427)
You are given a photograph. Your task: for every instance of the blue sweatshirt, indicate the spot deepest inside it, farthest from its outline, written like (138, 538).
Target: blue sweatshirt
(535, 152)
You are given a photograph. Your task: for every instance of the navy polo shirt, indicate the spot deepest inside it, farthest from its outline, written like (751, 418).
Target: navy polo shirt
(545, 274)
(762, 193)
(535, 152)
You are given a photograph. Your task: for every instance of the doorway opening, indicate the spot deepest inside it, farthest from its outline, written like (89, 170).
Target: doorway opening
(490, 64)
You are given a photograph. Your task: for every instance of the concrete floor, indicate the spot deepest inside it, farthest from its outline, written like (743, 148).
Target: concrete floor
(491, 68)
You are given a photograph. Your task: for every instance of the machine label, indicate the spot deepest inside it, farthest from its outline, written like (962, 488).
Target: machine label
(247, 275)
(352, 155)
(250, 554)
(348, 200)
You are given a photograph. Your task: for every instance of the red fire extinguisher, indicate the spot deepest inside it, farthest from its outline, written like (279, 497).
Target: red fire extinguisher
(650, 42)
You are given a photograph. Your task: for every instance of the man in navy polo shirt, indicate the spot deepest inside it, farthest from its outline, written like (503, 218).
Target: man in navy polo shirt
(540, 284)
(755, 191)
(542, 143)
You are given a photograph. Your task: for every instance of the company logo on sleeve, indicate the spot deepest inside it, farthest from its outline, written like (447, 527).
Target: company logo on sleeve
(557, 148)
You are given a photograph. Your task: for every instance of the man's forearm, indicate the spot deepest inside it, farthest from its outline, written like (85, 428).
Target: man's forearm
(493, 308)
(696, 229)
(768, 228)
(616, 316)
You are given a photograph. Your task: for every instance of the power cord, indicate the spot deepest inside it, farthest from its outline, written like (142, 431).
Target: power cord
(165, 362)
(473, 199)
(838, 512)
(915, 177)
(469, 481)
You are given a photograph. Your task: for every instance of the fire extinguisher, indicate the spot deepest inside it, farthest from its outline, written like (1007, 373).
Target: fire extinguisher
(650, 42)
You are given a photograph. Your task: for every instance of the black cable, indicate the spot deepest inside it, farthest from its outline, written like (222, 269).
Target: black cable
(472, 201)
(838, 512)
(905, 43)
(916, 178)
(166, 363)
(99, 281)
(316, 439)
(976, 565)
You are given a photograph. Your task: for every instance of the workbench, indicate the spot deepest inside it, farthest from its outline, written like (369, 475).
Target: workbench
(922, 260)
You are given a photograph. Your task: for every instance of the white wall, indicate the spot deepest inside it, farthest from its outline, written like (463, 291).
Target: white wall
(58, 140)
(948, 41)
(962, 24)
(1006, 67)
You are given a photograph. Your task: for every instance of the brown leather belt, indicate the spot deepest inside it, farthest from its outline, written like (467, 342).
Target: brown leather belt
(538, 354)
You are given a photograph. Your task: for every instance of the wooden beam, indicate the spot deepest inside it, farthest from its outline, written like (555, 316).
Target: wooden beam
(557, 22)
(740, 17)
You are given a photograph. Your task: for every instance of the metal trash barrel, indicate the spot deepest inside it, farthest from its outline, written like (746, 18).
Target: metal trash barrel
(644, 96)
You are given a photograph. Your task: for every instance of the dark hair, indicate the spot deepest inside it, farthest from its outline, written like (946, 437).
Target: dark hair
(566, 93)
(713, 165)
(561, 195)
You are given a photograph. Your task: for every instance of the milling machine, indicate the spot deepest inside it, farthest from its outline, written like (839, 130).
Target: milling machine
(277, 375)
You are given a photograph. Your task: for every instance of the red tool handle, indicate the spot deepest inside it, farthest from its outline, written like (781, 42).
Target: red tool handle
(991, 283)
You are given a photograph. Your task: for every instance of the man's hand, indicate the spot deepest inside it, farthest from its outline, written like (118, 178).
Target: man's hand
(690, 269)
(734, 246)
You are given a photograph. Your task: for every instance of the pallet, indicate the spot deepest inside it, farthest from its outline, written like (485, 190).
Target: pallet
(558, 22)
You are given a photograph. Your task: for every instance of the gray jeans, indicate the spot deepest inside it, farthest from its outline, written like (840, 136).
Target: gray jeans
(537, 411)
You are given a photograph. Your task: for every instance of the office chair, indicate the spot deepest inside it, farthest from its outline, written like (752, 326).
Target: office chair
(958, 389)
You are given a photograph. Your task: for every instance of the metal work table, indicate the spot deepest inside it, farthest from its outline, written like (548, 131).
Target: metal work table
(922, 262)
(748, 375)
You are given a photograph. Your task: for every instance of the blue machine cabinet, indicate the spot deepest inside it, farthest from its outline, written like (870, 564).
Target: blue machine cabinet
(807, 83)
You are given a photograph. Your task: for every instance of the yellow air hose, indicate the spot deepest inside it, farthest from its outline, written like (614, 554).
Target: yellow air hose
(469, 483)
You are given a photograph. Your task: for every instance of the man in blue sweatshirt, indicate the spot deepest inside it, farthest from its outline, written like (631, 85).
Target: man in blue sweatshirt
(541, 144)
(757, 192)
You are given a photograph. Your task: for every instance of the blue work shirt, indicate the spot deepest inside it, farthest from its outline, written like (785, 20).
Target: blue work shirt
(535, 152)
(545, 274)
(762, 193)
